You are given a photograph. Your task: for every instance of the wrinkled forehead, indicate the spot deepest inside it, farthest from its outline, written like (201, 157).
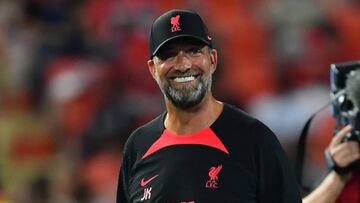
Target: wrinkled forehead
(180, 44)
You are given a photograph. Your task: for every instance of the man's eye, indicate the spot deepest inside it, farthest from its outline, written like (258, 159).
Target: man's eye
(194, 51)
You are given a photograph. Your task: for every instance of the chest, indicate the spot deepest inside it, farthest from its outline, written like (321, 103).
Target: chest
(193, 174)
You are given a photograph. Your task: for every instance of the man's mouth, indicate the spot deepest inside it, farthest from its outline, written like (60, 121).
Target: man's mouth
(184, 79)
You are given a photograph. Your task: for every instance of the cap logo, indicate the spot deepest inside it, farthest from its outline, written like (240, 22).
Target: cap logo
(175, 25)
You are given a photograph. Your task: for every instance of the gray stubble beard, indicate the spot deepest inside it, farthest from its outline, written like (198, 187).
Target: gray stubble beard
(187, 97)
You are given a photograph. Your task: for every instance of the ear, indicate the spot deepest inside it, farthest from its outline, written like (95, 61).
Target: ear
(151, 67)
(213, 59)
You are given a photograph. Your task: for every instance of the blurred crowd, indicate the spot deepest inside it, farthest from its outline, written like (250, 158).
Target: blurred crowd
(74, 82)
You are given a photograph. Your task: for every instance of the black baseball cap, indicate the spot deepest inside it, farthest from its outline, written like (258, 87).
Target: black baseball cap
(176, 24)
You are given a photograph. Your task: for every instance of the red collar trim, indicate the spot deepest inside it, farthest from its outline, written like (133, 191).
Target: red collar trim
(205, 137)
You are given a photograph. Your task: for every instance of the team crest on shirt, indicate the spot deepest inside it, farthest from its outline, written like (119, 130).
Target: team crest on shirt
(213, 177)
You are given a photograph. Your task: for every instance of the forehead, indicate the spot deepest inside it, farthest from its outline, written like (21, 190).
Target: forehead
(181, 43)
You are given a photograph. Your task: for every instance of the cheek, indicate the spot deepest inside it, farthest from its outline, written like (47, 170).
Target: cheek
(162, 70)
(159, 75)
(205, 65)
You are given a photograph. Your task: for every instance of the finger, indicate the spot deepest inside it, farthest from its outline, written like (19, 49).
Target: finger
(338, 138)
(342, 148)
(340, 154)
(345, 153)
(349, 159)
(344, 160)
(355, 157)
(353, 146)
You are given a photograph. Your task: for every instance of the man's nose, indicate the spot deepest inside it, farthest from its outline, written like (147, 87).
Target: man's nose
(183, 62)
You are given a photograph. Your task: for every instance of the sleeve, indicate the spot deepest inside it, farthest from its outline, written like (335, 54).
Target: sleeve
(276, 180)
(122, 195)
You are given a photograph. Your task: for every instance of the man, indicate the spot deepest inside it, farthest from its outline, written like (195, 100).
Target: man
(342, 185)
(200, 149)
(331, 188)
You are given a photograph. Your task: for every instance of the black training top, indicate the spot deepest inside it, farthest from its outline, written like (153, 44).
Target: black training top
(236, 159)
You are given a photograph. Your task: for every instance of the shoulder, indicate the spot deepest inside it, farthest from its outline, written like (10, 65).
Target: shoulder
(141, 138)
(239, 125)
(235, 116)
(258, 135)
(251, 132)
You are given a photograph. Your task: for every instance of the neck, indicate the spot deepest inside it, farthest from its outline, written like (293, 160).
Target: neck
(185, 122)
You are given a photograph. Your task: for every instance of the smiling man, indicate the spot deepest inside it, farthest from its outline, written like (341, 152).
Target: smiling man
(200, 149)
(184, 79)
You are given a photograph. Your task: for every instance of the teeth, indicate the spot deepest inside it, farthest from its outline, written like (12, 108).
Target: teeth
(184, 79)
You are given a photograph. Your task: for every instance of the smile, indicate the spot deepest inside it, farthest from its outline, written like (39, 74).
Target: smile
(184, 79)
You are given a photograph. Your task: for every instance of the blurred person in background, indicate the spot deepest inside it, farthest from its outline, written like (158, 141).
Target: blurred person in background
(3, 197)
(200, 149)
(343, 154)
(339, 187)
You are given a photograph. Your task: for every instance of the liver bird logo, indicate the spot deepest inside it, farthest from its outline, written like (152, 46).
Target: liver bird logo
(175, 24)
(213, 174)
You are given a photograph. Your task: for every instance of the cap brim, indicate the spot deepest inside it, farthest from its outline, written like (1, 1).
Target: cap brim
(179, 36)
